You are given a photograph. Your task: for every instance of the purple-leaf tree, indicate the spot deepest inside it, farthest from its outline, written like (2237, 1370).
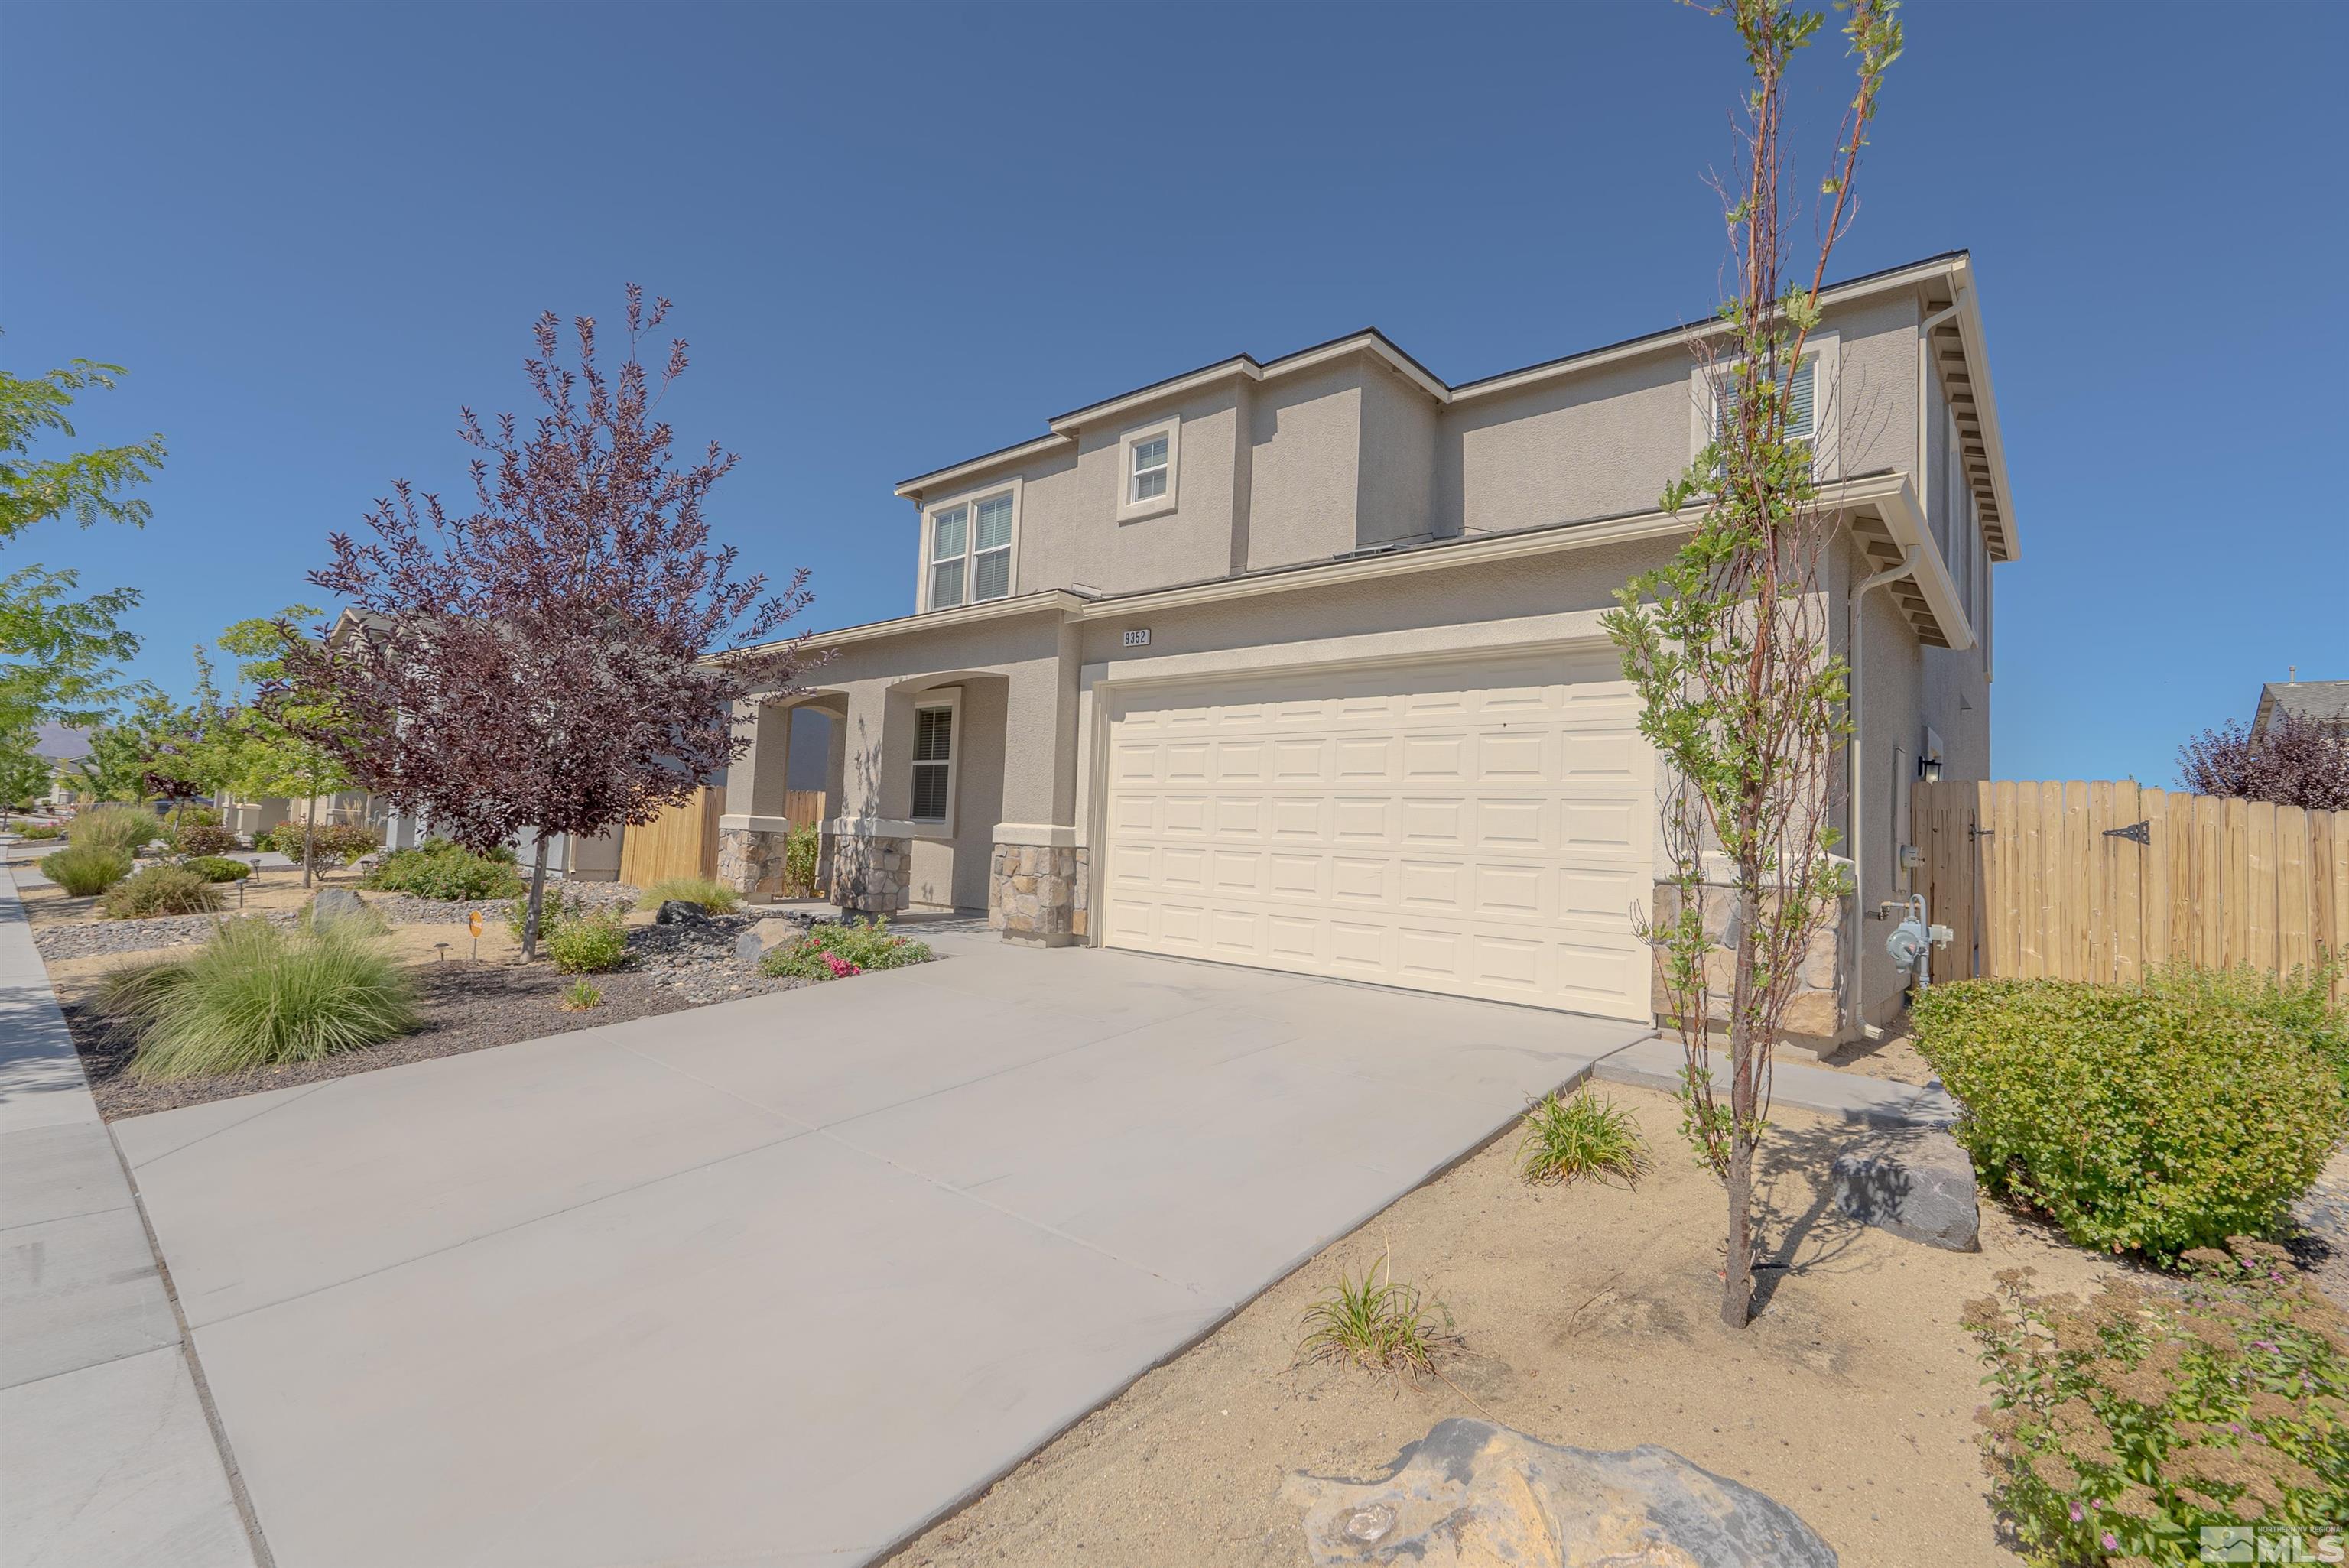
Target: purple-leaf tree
(545, 662)
(2293, 762)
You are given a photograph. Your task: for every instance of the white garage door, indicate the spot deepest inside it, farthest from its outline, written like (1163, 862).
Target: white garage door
(1481, 829)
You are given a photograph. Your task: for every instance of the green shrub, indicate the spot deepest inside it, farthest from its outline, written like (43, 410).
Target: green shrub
(204, 839)
(2145, 1121)
(125, 830)
(2120, 1427)
(445, 871)
(82, 870)
(256, 995)
(1578, 1135)
(588, 945)
(159, 891)
(333, 844)
(835, 951)
(38, 830)
(707, 892)
(2300, 1004)
(217, 868)
(554, 907)
(802, 848)
(195, 817)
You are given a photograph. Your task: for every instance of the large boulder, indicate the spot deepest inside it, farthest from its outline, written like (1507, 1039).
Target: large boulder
(1916, 1182)
(332, 905)
(1471, 1494)
(677, 912)
(772, 931)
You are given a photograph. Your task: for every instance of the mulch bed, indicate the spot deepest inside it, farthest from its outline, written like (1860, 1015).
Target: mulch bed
(467, 1007)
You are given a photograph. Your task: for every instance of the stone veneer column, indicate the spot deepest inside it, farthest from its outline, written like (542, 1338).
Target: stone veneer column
(872, 873)
(1036, 885)
(1816, 1014)
(750, 858)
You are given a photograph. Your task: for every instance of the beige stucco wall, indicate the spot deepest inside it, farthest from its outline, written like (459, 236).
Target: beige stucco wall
(1306, 433)
(1594, 445)
(1396, 489)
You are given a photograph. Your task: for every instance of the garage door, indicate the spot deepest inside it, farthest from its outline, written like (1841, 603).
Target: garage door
(1482, 830)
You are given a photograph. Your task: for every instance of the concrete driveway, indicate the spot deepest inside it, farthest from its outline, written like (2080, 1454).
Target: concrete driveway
(781, 1281)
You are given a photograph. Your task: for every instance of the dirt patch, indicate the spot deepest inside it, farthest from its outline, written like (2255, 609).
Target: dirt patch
(466, 1005)
(1893, 1058)
(1587, 1316)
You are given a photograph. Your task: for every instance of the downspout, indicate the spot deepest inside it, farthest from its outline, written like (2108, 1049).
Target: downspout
(1854, 966)
(1853, 642)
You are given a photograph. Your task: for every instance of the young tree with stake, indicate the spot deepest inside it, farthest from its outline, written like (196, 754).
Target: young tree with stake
(539, 662)
(1728, 644)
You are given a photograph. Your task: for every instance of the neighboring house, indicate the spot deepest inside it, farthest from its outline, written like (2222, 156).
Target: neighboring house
(60, 746)
(1297, 663)
(2324, 704)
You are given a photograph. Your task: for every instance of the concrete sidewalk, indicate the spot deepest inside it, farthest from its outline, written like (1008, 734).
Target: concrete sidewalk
(109, 1460)
(1657, 1063)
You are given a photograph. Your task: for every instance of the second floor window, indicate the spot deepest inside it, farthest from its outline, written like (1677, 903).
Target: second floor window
(1802, 413)
(970, 551)
(1149, 469)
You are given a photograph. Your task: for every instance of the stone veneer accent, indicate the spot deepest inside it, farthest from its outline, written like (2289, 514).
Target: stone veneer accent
(1036, 893)
(1814, 1014)
(750, 861)
(871, 875)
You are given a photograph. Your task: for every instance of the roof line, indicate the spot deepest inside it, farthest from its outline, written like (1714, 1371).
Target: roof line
(1248, 362)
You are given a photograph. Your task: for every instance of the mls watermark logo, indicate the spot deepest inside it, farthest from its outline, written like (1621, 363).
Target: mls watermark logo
(2256, 1544)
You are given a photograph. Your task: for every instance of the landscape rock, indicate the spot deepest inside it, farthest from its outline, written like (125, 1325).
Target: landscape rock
(748, 948)
(1916, 1182)
(1472, 1494)
(332, 905)
(677, 912)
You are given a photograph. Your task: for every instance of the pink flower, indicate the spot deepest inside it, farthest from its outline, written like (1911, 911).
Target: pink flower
(841, 968)
(2111, 1542)
(2078, 1513)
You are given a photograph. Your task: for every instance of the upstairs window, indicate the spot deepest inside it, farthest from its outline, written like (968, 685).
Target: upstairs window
(933, 762)
(1810, 402)
(970, 551)
(1149, 469)
(1150, 460)
(1802, 404)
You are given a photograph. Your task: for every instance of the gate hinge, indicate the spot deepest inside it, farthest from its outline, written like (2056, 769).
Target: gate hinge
(2135, 832)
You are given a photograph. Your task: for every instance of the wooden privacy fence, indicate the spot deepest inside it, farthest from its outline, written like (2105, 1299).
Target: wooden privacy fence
(683, 841)
(2096, 880)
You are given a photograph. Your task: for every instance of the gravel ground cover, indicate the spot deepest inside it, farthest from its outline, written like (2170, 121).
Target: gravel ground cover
(85, 939)
(467, 1007)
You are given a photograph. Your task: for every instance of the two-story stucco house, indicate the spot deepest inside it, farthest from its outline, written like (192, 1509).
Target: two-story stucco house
(1297, 663)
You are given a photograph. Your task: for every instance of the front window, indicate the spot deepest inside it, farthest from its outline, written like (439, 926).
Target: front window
(932, 763)
(970, 551)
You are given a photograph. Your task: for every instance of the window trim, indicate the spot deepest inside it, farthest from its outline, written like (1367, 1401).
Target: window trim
(929, 532)
(1824, 350)
(1171, 427)
(950, 699)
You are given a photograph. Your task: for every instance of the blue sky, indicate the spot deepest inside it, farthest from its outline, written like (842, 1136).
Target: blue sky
(899, 235)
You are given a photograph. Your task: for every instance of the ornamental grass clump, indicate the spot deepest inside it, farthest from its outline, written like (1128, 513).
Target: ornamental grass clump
(258, 995)
(84, 871)
(2120, 1427)
(829, 952)
(1375, 1322)
(706, 892)
(124, 830)
(217, 868)
(161, 891)
(1571, 1135)
(2145, 1120)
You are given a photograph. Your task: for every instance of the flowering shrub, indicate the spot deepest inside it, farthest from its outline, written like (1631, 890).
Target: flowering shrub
(836, 951)
(2121, 1427)
(588, 945)
(2148, 1119)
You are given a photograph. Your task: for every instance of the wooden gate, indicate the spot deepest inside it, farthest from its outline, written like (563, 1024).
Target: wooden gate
(2096, 880)
(683, 842)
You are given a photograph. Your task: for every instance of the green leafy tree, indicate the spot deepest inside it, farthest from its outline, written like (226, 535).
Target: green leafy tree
(58, 655)
(1728, 644)
(91, 486)
(271, 756)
